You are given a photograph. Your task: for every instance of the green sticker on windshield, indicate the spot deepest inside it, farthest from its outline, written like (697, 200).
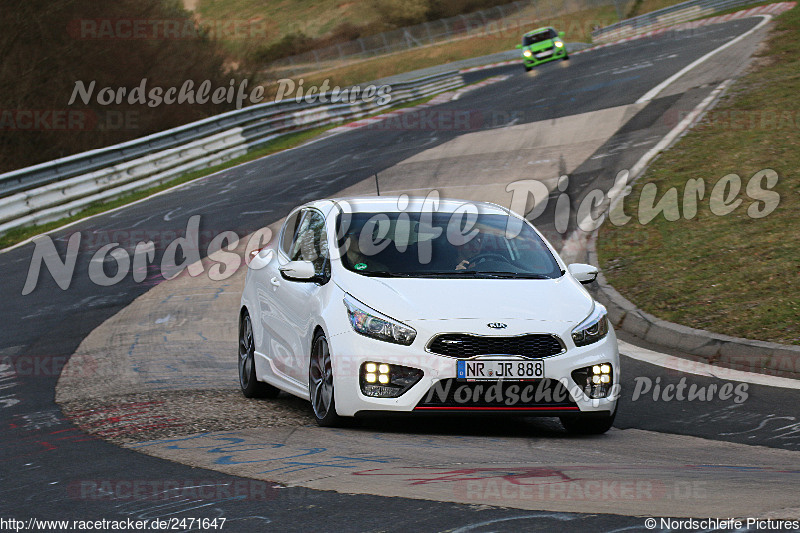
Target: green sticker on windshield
(360, 266)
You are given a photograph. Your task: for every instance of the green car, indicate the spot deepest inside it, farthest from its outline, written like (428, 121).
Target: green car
(542, 45)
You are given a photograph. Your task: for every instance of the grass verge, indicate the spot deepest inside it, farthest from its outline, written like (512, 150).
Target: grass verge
(731, 273)
(577, 26)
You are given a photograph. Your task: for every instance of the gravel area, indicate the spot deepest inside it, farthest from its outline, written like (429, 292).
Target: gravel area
(169, 414)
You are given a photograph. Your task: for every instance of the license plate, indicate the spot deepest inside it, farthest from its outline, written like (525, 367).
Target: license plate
(496, 369)
(544, 54)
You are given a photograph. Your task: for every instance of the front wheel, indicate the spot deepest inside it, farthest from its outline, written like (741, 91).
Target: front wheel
(527, 68)
(566, 57)
(588, 425)
(320, 383)
(248, 382)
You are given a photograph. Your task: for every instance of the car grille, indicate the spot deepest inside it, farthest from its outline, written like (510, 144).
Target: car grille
(541, 394)
(465, 346)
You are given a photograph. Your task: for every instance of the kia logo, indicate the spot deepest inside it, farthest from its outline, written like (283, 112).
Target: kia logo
(497, 325)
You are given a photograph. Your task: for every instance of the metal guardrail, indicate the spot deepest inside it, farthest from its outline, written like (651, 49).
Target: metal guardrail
(662, 18)
(56, 189)
(514, 18)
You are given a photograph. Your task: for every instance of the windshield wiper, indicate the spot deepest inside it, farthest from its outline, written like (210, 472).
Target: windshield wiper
(448, 274)
(385, 274)
(425, 274)
(485, 274)
(512, 275)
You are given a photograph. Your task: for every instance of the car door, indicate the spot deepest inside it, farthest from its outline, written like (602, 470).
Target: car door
(274, 343)
(297, 302)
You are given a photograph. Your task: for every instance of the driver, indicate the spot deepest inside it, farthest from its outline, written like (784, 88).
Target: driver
(467, 252)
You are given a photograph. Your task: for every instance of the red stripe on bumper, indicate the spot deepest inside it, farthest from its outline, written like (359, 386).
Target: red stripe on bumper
(464, 408)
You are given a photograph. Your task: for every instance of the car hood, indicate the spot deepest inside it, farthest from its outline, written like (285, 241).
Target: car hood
(542, 45)
(409, 299)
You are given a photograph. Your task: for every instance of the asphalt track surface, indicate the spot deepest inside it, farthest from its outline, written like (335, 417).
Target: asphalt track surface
(43, 454)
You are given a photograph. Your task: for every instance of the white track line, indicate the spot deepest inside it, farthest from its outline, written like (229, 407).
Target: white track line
(652, 93)
(643, 354)
(702, 369)
(682, 126)
(774, 9)
(575, 244)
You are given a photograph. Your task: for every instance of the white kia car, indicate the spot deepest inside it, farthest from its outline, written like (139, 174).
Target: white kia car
(387, 304)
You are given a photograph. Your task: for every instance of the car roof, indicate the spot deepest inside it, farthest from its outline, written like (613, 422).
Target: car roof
(396, 204)
(540, 30)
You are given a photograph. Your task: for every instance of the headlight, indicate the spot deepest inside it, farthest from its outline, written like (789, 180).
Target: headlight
(527, 53)
(558, 44)
(594, 328)
(370, 323)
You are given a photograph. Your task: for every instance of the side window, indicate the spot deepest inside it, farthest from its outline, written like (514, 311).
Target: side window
(553, 33)
(310, 242)
(289, 230)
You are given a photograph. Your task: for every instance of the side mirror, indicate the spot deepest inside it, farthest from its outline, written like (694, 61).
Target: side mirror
(561, 34)
(519, 46)
(299, 271)
(583, 273)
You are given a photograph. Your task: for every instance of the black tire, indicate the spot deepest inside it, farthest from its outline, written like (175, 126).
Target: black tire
(248, 382)
(320, 383)
(527, 68)
(566, 57)
(588, 425)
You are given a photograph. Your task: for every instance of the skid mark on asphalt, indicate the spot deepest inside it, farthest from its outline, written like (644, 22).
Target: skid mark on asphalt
(684, 475)
(7, 382)
(231, 449)
(764, 426)
(425, 475)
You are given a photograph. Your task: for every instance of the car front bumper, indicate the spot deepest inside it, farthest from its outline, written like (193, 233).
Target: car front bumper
(558, 53)
(351, 350)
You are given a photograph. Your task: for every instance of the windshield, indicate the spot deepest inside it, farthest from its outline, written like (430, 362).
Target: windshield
(443, 245)
(528, 40)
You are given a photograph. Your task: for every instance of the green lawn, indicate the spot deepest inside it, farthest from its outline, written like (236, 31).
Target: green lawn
(728, 273)
(578, 27)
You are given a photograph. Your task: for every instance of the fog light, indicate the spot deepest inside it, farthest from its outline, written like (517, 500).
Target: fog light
(394, 379)
(595, 380)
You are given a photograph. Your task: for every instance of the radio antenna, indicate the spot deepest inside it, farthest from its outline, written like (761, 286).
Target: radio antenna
(377, 187)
